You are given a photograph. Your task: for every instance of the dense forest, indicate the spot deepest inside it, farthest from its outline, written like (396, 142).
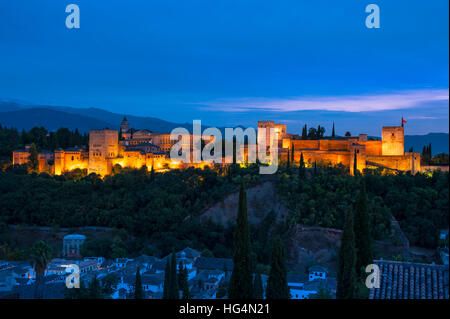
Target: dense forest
(419, 203)
(159, 209)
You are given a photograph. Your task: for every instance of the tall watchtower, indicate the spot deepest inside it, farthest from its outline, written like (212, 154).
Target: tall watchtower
(124, 126)
(393, 140)
(103, 146)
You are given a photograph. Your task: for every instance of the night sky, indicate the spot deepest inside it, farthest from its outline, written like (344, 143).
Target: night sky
(230, 62)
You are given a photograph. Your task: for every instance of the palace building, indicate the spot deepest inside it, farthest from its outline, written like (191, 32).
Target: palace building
(134, 149)
(387, 153)
(137, 148)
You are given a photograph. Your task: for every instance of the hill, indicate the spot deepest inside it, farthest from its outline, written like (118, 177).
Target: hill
(50, 119)
(24, 116)
(439, 142)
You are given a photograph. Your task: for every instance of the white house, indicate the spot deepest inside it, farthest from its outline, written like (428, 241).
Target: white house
(121, 262)
(317, 272)
(99, 260)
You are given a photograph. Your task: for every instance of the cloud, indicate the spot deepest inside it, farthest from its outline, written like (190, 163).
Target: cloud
(345, 103)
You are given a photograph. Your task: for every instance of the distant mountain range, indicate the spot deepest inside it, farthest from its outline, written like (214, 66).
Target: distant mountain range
(23, 116)
(439, 142)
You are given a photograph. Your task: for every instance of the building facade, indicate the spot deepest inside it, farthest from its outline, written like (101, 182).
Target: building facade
(139, 148)
(387, 153)
(72, 245)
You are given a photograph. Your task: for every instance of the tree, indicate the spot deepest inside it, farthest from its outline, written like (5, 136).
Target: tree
(95, 290)
(346, 277)
(332, 131)
(304, 132)
(222, 290)
(348, 134)
(323, 293)
(301, 167)
(173, 287)
(288, 162)
(183, 275)
(355, 164)
(116, 169)
(363, 243)
(33, 163)
(241, 278)
(152, 174)
(312, 133)
(320, 131)
(292, 153)
(138, 291)
(109, 284)
(166, 280)
(277, 287)
(40, 256)
(258, 290)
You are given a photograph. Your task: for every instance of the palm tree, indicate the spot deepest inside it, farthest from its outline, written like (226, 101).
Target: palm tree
(40, 256)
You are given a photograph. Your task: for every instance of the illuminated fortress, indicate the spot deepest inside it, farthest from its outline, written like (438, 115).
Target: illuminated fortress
(133, 149)
(387, 153)
(138, 148)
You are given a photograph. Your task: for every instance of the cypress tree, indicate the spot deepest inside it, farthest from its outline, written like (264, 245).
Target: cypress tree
(301, 168)
(304, 132)
(180, 274)
(288, 163)
(173, 288)
(363, 243)
(241, 278)
(138, 292)
(332, 132)
(346, 277)
(152, 174)
(355, 164)
(292, 153)
(184, 284)
(258, 291)
(33, 161)
(277, 287)
(166, 280)
(315, 168)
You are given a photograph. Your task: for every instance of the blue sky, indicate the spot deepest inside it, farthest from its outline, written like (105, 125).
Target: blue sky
(230, 62)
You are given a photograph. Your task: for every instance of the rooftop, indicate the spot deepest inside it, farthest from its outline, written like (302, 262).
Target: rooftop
(74, 236)
(214, 263)
(404, 280)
